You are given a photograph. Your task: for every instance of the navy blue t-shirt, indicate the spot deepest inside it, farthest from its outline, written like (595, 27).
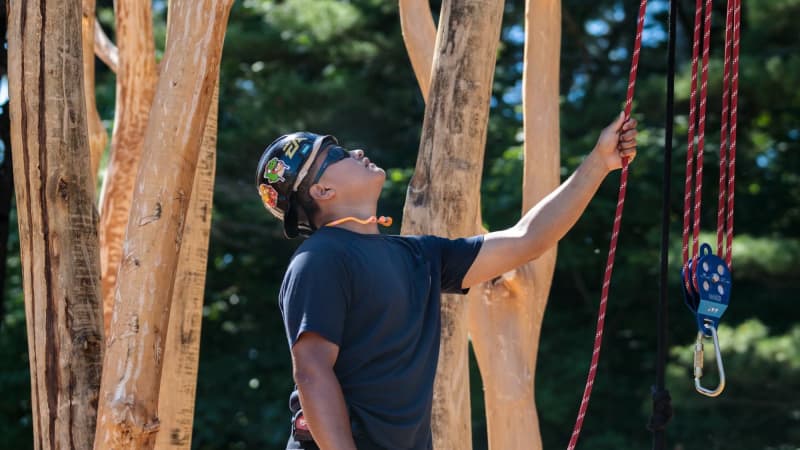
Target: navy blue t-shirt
(377, 297)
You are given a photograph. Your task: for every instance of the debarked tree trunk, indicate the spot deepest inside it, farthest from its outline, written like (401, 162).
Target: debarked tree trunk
(136, 85)
(181, 356)
(134, 360)
(57, 220)
(505, 315)
(505, 324)
(98, 138)
(419, 35)
(452, 143)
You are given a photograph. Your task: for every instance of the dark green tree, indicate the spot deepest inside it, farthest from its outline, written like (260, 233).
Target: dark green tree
(340, 67)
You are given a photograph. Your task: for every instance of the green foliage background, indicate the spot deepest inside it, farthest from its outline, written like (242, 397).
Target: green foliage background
(339, 67)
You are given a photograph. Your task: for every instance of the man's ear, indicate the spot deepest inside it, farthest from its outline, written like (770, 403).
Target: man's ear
(319, 192)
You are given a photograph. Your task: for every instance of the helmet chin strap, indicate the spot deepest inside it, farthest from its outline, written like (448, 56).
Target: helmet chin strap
(382, 220)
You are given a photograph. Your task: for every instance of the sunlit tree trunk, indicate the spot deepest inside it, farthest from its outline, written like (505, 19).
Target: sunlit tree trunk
(127, 416)
(98, 138)
(57, 220)
(505, 316)
(452, 143)
(105, 49)
(181, 356)
(136, 85)
(505, 324)
(419, 35)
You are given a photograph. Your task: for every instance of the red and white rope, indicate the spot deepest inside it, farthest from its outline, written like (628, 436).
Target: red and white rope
(701, 132)
(737, 21)
(723, 134)
(601, 315)
(687, 203)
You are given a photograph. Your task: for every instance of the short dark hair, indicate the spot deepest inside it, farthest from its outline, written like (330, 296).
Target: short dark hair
(307, 203)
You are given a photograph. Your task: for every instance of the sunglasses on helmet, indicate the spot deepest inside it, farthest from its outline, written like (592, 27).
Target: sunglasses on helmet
(335, 154)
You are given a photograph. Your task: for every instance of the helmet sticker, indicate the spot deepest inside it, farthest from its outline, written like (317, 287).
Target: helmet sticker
(268, 195)
(290, 148)
(274, 171)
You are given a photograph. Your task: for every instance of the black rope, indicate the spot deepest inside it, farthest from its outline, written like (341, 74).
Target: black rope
(662, 413)
(662, 407)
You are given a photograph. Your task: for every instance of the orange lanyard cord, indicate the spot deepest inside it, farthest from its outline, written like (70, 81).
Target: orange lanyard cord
(382, 220)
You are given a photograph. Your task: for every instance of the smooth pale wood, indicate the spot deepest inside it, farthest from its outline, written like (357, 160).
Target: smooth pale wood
(419, 35)
(105, 49)
(127, 417)
(452, 143)
(505, 323)
(136, 86)
(98, 138)
(505, 316)
(181, 356)
(57, 221)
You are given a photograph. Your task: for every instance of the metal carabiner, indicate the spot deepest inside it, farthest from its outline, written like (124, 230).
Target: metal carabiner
(698, 364)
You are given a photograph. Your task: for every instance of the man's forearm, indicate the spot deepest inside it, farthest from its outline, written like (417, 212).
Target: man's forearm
(325, 411)
(547, 222)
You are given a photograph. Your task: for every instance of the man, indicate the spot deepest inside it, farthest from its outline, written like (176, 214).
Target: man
(361, 309)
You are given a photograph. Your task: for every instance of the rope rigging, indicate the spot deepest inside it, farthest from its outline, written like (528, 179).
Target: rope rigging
(706, 277)
(707, 290)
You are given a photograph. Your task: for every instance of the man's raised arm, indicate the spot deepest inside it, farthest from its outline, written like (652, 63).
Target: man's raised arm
(547, 222)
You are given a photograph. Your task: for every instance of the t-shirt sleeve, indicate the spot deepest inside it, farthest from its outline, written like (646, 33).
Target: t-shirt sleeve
(314, 296)
(457, 256)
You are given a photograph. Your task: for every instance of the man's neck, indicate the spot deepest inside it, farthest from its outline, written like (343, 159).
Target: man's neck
(362, 213)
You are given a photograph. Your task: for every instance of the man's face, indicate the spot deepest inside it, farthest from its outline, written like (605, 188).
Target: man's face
(353, 177)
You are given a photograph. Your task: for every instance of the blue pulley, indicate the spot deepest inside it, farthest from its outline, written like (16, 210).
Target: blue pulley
(690, 296)
(708, 290)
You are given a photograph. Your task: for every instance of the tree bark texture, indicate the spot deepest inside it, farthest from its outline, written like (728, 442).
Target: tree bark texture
(419, 35)
(98, 138)
(136, 86)
(505, 324)
(133, 365)
(505, 316)
(57, 220)
(181, 356)
(452, 143)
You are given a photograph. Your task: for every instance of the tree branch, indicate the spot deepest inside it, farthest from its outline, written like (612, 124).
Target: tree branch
(98, 137)
(105, 49)
(419, 35)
